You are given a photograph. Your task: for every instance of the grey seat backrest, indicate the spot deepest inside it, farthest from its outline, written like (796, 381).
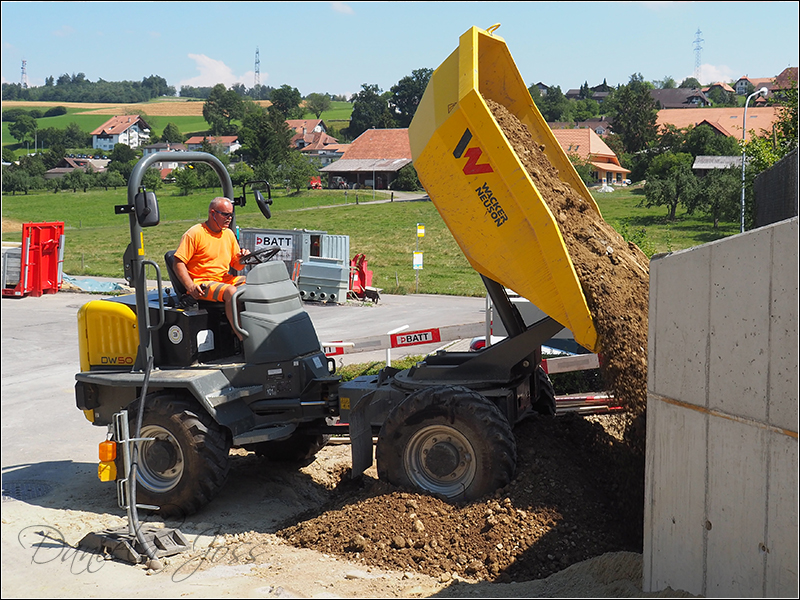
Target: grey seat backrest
(279, 328)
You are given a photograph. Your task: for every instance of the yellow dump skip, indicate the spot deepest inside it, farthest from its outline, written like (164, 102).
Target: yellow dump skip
(482, 190)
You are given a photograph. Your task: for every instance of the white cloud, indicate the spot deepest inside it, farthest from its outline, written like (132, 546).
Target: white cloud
(341, 8)
(65, 31)
(214, 71)
(716, 74)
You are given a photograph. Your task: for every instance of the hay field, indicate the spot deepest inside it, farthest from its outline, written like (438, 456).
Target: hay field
(162, 108)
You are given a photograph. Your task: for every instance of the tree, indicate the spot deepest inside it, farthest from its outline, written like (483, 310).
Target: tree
(584, 109)
(635, 114)
(407, 179)
(286, 101)
(406, 95)
(77, 179)
(296, 170)
(23, 128)
(122, 153)
(186, 180)
(318, 103)
(265, 136)
(668, 83)
(221, 108)
(690, 83)
(704, 141)
(720, 97)
(370, 111)
(555, 107)
(670, 182)
(172, 134)
(718, 195)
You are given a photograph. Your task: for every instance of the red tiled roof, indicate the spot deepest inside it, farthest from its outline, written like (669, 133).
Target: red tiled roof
(224, 140)
(787, 78)
(118, 125)
(316, 140)
(380, 143)
(303, 125)
(726, 119)
(585, 143)
(725, 87)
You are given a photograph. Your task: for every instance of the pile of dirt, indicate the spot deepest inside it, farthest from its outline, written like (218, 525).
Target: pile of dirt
(561, 508)
(578, 491)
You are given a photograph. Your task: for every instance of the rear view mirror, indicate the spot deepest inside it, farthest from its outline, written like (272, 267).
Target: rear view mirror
(263, 204)
(146, 206)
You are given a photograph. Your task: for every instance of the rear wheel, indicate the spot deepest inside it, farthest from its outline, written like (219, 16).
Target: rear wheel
(449, 441)
(186, 463)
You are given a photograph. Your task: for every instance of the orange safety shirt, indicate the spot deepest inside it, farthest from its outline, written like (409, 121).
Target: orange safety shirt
(207, 255)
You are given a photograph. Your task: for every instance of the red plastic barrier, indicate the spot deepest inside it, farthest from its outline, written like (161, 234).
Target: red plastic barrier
(360, 276)
(41, 260)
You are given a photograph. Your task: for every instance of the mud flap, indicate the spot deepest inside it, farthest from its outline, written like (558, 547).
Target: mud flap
(361, 436)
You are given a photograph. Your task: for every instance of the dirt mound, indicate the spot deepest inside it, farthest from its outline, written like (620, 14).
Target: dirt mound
(563, 507)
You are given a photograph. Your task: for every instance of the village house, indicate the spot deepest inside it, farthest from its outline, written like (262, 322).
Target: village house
(130, 130)
(679, 98)
(312, 139)
(67, 165)
(166, 167)
(589, 147)
(228, 143)
(373, 159)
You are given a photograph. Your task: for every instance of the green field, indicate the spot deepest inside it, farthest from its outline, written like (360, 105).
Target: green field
(384, 232)
(338, 116)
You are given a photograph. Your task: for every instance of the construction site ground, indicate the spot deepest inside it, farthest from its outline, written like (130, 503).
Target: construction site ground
(559, 529)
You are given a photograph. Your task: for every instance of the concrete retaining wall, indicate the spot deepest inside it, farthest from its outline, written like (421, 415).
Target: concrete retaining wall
(721, 487)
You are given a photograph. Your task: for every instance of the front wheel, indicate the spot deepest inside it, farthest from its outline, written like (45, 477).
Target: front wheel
(448, 441)
(185, 464)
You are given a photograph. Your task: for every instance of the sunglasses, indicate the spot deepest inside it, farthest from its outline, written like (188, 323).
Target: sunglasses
(224, 214)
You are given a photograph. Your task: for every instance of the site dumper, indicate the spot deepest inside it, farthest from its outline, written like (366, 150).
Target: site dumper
(169, 372)
(445, 425)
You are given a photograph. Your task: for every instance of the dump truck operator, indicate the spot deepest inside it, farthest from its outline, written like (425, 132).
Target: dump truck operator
(205, 256)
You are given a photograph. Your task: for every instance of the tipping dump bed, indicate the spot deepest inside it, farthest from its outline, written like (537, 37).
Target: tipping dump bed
(479, 186)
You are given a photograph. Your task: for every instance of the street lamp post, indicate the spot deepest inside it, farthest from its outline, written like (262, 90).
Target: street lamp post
(762, 92)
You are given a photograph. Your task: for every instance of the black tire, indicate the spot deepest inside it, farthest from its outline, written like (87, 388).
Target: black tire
(448, 441)
(545, 402)
(300, 448)
(187, 464)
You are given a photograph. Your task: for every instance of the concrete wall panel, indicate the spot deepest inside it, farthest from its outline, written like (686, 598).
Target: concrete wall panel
(680, 317)
(739, 326)
(676, 512)
(783, 351)
(737, 486)
(781, 545)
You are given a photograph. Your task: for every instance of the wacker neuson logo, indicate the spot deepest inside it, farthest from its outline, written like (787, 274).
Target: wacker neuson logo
(473, 167)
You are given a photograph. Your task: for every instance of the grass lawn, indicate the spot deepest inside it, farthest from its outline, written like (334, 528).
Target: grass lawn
(385, 233)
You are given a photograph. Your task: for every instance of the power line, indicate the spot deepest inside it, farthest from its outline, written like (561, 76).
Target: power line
(258, 70)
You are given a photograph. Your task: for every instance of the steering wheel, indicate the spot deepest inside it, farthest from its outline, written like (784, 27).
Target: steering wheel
(259, 256)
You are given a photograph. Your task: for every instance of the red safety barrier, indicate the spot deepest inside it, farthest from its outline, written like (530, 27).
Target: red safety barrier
(40, 262)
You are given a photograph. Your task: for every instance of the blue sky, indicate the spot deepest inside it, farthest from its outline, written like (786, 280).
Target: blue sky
(336, 47)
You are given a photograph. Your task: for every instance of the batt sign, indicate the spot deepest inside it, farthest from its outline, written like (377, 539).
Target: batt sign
(413, 338)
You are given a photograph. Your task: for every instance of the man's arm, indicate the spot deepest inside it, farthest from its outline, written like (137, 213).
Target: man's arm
(182, 273)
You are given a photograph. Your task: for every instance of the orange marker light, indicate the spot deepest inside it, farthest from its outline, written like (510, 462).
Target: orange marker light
(108, 451)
